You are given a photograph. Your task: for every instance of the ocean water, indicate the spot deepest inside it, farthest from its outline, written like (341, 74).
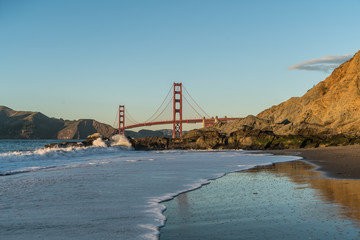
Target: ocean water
(102, 192)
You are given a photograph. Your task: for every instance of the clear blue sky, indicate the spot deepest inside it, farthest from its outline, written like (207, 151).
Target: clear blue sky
(82, 58)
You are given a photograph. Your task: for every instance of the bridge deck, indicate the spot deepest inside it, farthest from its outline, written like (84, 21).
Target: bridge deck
(207, 121)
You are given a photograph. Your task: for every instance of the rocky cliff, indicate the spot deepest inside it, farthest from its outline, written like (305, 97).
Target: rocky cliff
(331, 107)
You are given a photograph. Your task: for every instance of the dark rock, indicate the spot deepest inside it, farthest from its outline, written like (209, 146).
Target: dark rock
(285, 122)
(246, 138)
(65, 145)
(149, 133)
(86, 143)
(150, 143)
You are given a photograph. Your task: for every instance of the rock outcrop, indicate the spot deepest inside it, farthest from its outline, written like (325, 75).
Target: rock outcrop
(143, 133)
(244, 138)
(331, 107)
(89, 141)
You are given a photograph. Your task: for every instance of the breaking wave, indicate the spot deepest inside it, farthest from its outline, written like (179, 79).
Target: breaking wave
(53, 153)
(57, 158)
(120, 140)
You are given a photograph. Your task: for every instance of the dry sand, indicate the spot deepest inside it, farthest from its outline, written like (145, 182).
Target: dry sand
(336, 162)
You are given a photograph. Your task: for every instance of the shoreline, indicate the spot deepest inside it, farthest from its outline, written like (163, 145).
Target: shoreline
(338, 162)
(255, 208)
(341, 162)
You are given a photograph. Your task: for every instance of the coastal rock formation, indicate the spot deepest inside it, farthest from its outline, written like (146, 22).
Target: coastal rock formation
(143, 133)
(246, 138)
(331, 107)
(150, 143)
(89, 141)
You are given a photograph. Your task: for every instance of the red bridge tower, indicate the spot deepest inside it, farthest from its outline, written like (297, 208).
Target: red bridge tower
(122, 119)
(177, 110)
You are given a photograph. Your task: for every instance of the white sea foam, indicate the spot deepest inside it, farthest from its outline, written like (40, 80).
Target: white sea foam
(120, 140)
(99, 143)
(58, 158)
(98, 148)
(153, 231)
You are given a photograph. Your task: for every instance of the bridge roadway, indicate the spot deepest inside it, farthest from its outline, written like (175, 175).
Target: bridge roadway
(207, 121)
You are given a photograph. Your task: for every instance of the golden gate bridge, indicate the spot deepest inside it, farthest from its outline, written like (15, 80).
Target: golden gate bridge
(179, 98)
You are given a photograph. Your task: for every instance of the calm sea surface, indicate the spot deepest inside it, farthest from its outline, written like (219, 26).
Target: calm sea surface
(101, 192)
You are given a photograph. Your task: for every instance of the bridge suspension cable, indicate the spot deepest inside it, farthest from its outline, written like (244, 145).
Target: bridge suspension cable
(199, 115)
(151, 119)
(116, 119)
(195, 103)
(128, 115)
(167, 105)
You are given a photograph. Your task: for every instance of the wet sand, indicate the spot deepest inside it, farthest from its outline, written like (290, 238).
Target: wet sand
(282, 201)
(318, 198)
(335, 162)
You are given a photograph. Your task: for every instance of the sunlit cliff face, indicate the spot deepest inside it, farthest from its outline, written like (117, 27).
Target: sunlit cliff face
(343, 192)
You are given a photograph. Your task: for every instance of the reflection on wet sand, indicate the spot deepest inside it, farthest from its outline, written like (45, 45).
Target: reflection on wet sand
(183, 204)
(282, 201)
(343, 192)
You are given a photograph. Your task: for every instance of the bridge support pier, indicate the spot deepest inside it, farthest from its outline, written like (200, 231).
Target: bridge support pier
(177, 110)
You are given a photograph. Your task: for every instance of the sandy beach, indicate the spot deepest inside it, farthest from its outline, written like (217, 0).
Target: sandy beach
(281, 201)
(293, 200)
(335, 162)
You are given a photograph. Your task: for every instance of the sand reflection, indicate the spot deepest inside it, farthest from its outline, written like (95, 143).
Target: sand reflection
(183, 203)
(283, 201)
(343, 192)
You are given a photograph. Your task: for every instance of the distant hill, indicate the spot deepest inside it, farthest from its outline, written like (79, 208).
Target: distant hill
(35, 125)
(80, 129)
(25, 124)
